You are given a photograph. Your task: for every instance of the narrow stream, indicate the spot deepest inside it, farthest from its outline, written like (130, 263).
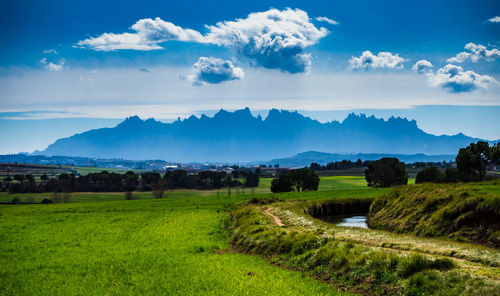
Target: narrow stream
(352, 220)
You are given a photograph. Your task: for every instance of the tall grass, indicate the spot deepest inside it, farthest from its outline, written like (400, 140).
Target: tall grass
(460, 211)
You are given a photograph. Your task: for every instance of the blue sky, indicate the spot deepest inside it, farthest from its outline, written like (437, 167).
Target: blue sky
(66, 66)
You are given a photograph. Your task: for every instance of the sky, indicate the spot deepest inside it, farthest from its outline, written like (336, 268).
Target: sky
(70, 66)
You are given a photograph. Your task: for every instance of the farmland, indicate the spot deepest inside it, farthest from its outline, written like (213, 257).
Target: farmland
(184, 244)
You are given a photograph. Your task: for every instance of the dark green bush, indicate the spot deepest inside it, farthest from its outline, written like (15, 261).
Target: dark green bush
(431, 174)
(46, 201)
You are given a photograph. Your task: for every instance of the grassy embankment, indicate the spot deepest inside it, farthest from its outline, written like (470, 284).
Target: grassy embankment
(174, 246)
(365, 260)
(461, 211)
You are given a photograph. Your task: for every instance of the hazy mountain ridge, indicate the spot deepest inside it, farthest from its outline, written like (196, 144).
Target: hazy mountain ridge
(240, 136)
(306, 158)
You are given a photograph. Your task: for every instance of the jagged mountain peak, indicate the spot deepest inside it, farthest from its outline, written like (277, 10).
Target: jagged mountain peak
(231, 136)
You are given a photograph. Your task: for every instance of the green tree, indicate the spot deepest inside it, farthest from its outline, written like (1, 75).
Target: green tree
(494, 153)
(452, 175)
(19, 178)
(281, 183)
(472, 161)
(304, 179)
(431, 174)
(386, 172)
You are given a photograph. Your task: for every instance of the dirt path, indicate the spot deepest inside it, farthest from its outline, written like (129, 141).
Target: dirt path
(276, 219)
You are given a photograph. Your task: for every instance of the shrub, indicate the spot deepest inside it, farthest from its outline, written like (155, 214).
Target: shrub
(431, 174)
(452, 175)
(412, 265)
(16, 201)
(46, 201)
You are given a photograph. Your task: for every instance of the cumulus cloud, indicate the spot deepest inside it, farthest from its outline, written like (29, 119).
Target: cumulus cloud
(422, 66)
(495, 19)
(328, 20)
(382, 60)
(52, 66)
(273, 39)
(475, 52)
(214, 70)
(454, 79)
(148, 33)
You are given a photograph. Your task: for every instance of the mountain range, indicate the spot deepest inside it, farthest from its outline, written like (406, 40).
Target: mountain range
(241, 137)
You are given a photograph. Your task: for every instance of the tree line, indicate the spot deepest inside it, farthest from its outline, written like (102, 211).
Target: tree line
(471, 161)
(340, 165)
(130, 181)
(471, 164)
(348, 164)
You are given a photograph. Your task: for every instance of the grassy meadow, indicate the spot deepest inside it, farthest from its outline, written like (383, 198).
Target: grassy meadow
(102, 244)
(328, 188)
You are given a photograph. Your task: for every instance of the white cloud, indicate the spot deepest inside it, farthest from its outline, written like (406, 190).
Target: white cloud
(214, 70)
(422, 66)
(52, 66)
(475, 53)
(454, 79)
(55, 67)
(148, 33)
(328, 20)
(50, 51)
(383, 60)
(274, 39)
(495, 19)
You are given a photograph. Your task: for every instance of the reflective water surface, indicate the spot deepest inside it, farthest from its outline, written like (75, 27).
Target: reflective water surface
(353, 220)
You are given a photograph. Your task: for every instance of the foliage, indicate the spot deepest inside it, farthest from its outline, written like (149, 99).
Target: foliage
(386, 172)
(128, 181)
(452, 175)
(458, 211)
(371, 271)
(282, 183)
(472, 161)
(304, 179)
(431, 174)
(338, 165)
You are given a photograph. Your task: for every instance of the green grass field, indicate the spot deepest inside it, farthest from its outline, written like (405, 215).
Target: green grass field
(102, 244)
(328, 187)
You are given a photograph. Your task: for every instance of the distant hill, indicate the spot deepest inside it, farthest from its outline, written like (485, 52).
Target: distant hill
(306, 158)
(241, 137)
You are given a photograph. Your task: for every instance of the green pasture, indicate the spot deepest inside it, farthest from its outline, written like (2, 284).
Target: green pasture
(101, 244)
(328, 187)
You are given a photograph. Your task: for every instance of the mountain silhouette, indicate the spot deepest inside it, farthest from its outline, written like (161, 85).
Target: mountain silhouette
(240, 137)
